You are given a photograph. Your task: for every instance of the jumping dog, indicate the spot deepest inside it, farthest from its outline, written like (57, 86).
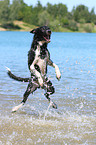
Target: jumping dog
(38, 60)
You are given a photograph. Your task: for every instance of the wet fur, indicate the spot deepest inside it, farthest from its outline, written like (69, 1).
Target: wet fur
(38, 60)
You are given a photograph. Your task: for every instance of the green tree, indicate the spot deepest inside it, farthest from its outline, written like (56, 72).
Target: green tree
(44, 18)
(27, 14)
(81, 12)
(62, 10)
(93, 16)
(57, 10)
(16, 9)
(22, 10)
(35, 12)
(4, 11)
(56, 16)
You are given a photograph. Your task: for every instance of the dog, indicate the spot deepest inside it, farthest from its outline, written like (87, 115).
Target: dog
(38, 60)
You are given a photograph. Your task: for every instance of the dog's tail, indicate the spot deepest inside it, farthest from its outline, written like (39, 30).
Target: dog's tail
(11, 75)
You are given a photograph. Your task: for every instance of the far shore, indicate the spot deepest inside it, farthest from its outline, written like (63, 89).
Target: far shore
(22, 26)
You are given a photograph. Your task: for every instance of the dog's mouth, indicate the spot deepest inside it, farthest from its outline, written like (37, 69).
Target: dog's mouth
(47, 38)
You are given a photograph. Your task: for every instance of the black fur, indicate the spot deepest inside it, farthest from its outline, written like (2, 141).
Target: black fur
(38, 59)
(17, 78)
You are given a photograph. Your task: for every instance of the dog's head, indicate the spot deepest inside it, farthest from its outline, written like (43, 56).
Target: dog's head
(42, 34)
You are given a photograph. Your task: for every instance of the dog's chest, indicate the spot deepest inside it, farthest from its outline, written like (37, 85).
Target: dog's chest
(41, 57)
(41, 54)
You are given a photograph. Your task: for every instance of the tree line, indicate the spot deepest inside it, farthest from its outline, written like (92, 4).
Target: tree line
(55, 16)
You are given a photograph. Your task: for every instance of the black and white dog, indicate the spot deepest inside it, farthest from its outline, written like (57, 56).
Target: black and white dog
(38, 60)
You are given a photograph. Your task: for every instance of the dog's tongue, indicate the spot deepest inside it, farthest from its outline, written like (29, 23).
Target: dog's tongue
(48, 40)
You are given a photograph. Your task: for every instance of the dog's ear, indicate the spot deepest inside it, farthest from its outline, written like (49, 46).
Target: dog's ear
(34, 31)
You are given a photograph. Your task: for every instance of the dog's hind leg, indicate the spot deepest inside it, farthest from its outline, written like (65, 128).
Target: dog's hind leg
(51, 102)
(30, 89)
(49, 91)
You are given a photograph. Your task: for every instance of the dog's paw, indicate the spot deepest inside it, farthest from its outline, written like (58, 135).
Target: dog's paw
(17, 107)
(53, 105)
(58, 75)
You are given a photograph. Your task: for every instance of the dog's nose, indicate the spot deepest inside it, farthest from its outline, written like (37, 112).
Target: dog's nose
(48, 32)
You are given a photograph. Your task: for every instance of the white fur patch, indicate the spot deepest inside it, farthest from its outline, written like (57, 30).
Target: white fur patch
(17, 107)
(41, 42)
(41, 63)
(58, 74)
(8, 69)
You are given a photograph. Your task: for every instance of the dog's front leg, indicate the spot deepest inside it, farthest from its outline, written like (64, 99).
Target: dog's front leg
(58, 74)
(37, 74)
(40, 80)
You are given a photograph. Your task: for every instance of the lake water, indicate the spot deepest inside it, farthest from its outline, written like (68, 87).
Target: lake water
(74, 122)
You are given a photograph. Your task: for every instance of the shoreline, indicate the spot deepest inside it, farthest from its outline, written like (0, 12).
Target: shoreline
(22, 26)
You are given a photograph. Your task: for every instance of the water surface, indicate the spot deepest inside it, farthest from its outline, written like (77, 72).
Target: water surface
(74, 122)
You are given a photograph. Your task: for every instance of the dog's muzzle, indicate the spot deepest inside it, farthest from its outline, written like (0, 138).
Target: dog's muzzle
(48, 32)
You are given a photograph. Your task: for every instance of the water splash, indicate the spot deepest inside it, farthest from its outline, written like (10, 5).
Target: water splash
(50, 104)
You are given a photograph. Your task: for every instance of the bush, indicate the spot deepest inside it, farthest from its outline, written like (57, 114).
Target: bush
(64, 22)
(54, 25)
(10, 25)
(82, 21)
(88, 28)
(73, 25)
(44, 18)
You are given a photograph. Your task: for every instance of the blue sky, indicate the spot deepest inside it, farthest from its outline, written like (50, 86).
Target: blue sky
(70, 3)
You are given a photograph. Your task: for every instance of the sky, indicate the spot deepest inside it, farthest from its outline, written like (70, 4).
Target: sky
(69, 3)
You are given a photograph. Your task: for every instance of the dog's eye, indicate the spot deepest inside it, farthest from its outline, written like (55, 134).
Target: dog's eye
(43, 30)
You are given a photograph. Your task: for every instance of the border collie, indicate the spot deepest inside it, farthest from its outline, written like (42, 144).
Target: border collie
(38, 60)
